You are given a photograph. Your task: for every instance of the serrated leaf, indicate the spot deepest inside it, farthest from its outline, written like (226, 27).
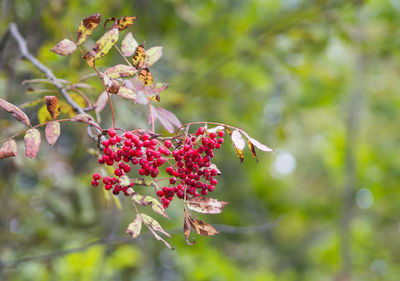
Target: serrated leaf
(152, 223)
(64, 48)
(202, 228)
(53, 106)
(186, 229)
(15, 111)
(52, 132)
(153, 55)
(135, 227)
(129, 45)
(32, 143)
(127, 93)
(105, 43)
(159, 238)
(82, 118)
(251, 147)
(120, 71)
(8, 149)
(101, 102)
(86, 27)
(238, 140)
(146, 200)
(125, 22)
(206, 205)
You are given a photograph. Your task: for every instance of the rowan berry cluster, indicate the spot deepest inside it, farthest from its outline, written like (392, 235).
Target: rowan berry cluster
(190, 166)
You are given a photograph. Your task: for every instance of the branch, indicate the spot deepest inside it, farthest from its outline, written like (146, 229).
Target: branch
(14, 32)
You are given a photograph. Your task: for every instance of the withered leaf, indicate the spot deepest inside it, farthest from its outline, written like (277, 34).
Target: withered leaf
(215, 129)
(124, 180)
(15, 111)
(52, 132)
(145, 76)
(129, 45)
(105, 43)
(82, 118)
(112, 85)
(146, 200)
(206, 205)
(159, 238)
(64, 48)
(127, 93)
(120, 71)
(152, 223)
(186, 229)
(101, 102)
(228, 131)
(8, 149)
(238, 140)
(86, 27)
(258, 144)
(89, 57)
(135, 227)
(32, 143)
(252, 149)
(202, 228)
(53, 106)
(153, 55)
(239, 153)
(139, 58)
(125, 22)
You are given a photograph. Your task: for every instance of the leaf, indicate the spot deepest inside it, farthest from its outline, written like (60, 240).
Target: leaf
(53, 106)
(52, 132)
(186, 229)
(215, 129)
(238, 140)
(146, 200)
(159, 238)
(145, 76)
(153, 55)
(85, 118)
(206, 205)
(129, 45)
(105, 43)
(120, 71)
(86, 27)
(89, 57)
(125, 22)
(135, 227)
(15, 111)
(64, 48)
(239, 153)
(202, 228)
(127, 93)
(258, 144)
(228, 131)
(44, 115)
(139, 58)
(33, 103)
(112, 85)
(124, 180)
(8, 149)
(32, 143)
(167, 119)
(101, 102)
(252, 149)
(152, 223)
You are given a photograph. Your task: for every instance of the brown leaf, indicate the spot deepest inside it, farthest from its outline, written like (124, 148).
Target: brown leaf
(112, 85)
(159, 238)
(186, 229)
(202, 228)
(8, 149)
(152, 223)
(53, 106)
(120, 71)
(146, 200)
(89, 57)
(145, 76)
(129, 45)
(239, 153)
(86, 27)
(228, 131)
(52, 132)
(251, 147)
(32, 143)
(105, 43)
(101, 102)
(85, 118)
(135, 227)
(15, 111)
(139, 58)
(205, 205)
(125, 22)
(64, 48)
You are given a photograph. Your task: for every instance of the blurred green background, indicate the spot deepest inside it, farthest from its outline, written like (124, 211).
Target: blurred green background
(316, 80)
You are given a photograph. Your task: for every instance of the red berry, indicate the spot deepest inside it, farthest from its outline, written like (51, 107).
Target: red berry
(145, 137)
(111, 132)
(204, 192)
(96, 176)
(168, 143)
(221, 133)
(160, 193)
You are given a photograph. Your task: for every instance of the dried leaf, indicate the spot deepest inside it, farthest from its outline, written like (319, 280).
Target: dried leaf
(127, 93)
(112, 85)
(153, 55)
(228, 131)
(145, 76)
(101, 102)
(139, 58)
(52, 132)
(215, 129)
(258, 144)
(120, 71)
(135, 227)
(202, 228)
(125, 22)
(251, 147)
(238, 140)
(89, 57)
(124, 180)
(167, 119)
(32, 143)
(239, 153)
(64, 48)
(206, 205)
(152, 223)
(146, 200)
(82, 118)
(105, 43)
(53, 106)
(186, 229)
(15, 111)
(86, 27)
(8, 149)
(159, 238)
(129, 45)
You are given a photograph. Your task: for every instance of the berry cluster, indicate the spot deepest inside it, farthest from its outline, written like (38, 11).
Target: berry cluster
(191, 170)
